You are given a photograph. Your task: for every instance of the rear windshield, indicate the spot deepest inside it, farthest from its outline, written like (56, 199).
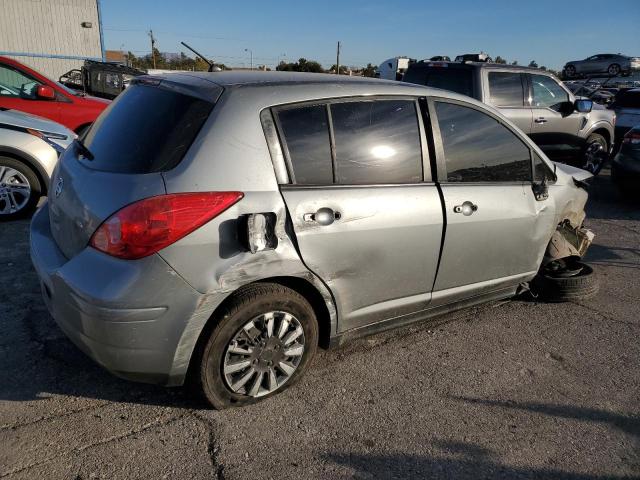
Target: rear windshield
(459, 80)
(627, 100)
(146, 129)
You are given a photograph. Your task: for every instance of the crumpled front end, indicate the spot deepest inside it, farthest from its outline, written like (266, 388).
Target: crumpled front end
(568, 241)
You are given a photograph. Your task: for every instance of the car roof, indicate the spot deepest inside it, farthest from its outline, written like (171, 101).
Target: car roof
(487, 65)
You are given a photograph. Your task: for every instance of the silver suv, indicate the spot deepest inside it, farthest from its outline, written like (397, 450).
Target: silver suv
(250, 217)
(566, 128)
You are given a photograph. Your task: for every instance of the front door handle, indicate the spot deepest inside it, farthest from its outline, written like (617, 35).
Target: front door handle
(324, 216)
(467, 208)
(540, 120)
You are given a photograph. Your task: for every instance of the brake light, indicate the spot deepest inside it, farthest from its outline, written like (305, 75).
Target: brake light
(147, 226)
(632, 137)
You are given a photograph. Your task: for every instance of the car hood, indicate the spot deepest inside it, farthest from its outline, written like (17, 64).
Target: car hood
(569, 171)
(27, 120)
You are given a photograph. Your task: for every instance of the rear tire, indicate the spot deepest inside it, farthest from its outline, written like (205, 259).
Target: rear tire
(570, 71)
(554, 287)
(253, 305)
(20, 189)
(614, 70)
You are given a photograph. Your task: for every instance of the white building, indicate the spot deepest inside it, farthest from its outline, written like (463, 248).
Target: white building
(51, 36)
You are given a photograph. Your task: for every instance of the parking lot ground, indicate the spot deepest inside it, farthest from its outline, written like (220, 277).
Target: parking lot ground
(517, 389)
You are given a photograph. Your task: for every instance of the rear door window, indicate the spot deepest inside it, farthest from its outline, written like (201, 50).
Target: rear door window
(146, 129)
(454, 79)
(376, 142)
(477, 148)
(505, 89)
(305, 131)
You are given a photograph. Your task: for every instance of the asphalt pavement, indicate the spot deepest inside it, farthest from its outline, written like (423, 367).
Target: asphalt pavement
(516, 389)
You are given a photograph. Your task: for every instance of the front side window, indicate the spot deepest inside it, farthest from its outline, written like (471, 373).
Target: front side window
(505, 89)
(547, 92)
(479, 149)
(541, 170)
(376, 142)
(14, 83)
(306, 137)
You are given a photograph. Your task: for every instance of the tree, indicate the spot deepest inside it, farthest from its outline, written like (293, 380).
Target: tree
(533, 64)
(369, 71)
(515, 62)
(343, 69)
(501, 60)
(302, 65)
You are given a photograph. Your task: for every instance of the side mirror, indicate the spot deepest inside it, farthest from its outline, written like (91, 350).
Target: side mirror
(540, 189)
(45, 92)
(583, 105)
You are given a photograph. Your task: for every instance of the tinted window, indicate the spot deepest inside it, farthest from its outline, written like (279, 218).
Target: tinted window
(547, 92)
(306, 136)
(506, 89)
(146, 129)
(376, 142)
(454, 79)
(479, 149)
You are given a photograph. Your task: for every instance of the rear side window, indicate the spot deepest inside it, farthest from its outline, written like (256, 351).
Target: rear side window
(479, 149)
(459, 80)
(376, 142)
(505, 89)
(146, 129)
(306, 135)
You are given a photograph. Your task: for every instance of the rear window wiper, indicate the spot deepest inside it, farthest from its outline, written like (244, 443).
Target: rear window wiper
(84, 151)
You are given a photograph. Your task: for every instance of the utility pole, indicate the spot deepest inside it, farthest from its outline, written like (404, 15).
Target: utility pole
(153, 45)
(338, 60)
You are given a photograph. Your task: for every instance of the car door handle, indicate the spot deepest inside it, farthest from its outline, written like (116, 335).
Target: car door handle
(540, 120)
(324, 216)
(467, 208)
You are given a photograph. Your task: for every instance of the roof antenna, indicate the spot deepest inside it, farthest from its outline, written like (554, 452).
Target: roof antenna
(206, 60)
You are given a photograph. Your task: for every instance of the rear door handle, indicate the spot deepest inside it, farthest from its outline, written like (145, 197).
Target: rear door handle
(467, 208)
(324, 216)
(540, 120)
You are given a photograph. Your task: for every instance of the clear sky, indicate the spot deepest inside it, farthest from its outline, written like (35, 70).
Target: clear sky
(550, 32)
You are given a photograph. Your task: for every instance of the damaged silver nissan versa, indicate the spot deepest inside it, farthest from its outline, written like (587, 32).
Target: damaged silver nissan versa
(227, 224)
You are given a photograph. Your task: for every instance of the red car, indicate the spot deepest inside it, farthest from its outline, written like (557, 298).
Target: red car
(24, 89)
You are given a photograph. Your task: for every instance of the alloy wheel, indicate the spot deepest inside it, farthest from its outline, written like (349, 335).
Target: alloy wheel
(613, 69)
(594, 157)
(263, 355)
(15, 190)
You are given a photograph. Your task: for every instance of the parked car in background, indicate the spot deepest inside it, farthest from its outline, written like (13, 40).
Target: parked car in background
(609, 63)
(175, 250)
(625, 167)
(24, 89)
(626, 105)
(597, 94)
(474, 57)
(29, 150)
(566, 128)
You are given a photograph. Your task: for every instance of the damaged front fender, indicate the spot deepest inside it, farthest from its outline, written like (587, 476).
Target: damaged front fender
(568, 241)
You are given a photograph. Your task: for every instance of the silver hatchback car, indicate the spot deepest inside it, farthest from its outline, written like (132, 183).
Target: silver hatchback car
(225, 225)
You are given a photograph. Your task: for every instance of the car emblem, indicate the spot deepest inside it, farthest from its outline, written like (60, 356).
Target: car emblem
(59, 186)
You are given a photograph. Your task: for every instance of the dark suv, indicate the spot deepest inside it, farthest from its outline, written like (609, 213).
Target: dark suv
(565, 127)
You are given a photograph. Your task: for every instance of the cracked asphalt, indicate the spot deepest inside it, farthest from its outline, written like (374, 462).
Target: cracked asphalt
(517, 389)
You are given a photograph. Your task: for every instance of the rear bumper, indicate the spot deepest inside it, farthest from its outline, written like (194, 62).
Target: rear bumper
(138, 319)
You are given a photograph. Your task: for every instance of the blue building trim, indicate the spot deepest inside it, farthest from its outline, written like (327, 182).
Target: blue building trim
(49, 55)
(104, 56)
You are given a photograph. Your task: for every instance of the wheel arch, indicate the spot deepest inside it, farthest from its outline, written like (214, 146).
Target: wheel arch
(310, 288)
(31, 162)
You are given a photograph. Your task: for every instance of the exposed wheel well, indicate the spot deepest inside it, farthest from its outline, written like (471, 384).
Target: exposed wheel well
(44, 183)
(300, 285)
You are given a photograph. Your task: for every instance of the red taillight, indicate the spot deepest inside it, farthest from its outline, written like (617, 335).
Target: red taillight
(631, 137)
(149, 225)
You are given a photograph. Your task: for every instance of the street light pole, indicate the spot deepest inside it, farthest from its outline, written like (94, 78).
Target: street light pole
(251, 56)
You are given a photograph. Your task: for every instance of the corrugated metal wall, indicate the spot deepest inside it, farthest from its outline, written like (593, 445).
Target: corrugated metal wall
(50, 27)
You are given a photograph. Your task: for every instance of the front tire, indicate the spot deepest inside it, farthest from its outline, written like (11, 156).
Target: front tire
(570, 71)
(595, 153)
(263, 342)
(569, 281)
(20, 189)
